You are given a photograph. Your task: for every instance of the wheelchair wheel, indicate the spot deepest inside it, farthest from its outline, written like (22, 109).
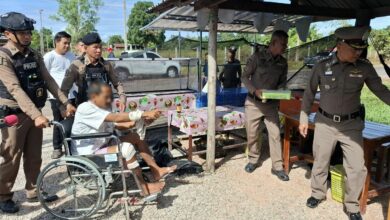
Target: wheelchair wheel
(76, 181)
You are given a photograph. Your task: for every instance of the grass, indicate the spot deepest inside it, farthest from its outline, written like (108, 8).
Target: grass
(376, 110)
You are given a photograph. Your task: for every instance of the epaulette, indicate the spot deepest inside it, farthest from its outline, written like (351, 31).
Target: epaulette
(364, 60)
(326, 60)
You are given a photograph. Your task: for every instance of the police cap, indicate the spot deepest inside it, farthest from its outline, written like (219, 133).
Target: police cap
(15, 21)
(91, 38)
(356, 37)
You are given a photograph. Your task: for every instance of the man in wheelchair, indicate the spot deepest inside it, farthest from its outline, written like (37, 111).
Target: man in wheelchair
(94, 116)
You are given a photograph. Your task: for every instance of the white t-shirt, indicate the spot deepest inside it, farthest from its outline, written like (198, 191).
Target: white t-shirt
(89, 119)
(57, 64)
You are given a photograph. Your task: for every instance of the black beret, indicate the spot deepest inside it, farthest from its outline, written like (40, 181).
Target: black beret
(91, 38)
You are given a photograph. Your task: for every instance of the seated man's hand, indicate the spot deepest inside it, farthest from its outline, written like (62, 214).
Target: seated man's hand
(151, 115)
(70, 110)
(149, 121)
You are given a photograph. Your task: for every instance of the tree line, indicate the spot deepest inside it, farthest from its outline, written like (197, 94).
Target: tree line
(81, 18)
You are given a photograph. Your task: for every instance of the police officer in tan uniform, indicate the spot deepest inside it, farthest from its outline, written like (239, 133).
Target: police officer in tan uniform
(91, 67)
(265, 69)
(340, 117)
(23, 91)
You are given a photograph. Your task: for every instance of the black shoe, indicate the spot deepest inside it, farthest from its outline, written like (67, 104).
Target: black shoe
(355, 216)
(250, 167)
(46, 197)
(56, 154)
(313, 202)
(280, 174)
(9, 206)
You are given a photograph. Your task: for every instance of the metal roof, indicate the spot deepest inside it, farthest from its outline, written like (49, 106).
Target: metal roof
(184, 18)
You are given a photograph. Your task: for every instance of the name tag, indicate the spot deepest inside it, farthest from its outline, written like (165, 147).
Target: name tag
(328, 73)
(356, 75)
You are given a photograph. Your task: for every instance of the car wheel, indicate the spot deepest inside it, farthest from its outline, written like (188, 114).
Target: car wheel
(172, 72)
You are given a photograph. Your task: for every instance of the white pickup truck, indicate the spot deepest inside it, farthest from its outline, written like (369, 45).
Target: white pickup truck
(141, 63)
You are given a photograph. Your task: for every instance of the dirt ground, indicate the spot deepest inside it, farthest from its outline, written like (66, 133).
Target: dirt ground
(229, 193)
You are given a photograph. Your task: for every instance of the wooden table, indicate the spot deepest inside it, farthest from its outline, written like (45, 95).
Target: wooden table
(193, 122)
(374, 135)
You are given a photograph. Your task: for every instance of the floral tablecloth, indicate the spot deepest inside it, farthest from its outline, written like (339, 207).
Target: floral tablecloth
(161, 102)
(194, 121)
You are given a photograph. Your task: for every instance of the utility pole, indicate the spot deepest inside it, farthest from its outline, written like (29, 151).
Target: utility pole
(125, 23)
(41, 35)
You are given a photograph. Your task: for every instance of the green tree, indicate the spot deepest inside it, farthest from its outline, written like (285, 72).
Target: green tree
(139, 18)
(47, 39)
(380, 39)
(80, 15)
(115, 39)
(294, 41)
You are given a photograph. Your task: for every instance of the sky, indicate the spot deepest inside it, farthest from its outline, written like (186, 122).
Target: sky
(111, 16)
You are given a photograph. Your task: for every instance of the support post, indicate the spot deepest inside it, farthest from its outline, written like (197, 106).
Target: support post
(211, 95)
(200, 85)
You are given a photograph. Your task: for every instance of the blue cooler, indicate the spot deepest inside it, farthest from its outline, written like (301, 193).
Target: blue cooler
(231, 96)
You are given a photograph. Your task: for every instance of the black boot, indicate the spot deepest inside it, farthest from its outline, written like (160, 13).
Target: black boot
(45, 196)
(9, 206)
(313, 202)
(250, 167)
(280, 174)
(355, 216)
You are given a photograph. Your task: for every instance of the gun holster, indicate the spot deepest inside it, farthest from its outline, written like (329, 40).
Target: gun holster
(362, 112)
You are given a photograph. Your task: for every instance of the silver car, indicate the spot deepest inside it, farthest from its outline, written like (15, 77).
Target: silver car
(144, 64)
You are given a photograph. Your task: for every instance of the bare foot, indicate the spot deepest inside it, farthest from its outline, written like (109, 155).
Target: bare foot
(163, 172)
(151, 188)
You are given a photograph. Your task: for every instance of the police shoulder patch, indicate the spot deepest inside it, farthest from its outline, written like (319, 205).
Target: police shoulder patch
(3, 60)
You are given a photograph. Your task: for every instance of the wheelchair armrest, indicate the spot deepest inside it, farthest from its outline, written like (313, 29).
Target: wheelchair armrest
(91, 136)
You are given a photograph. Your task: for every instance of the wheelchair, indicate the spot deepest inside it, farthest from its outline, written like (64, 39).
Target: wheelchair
(83, 184)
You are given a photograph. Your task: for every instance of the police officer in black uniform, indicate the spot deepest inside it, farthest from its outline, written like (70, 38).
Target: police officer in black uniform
(91, 67)
(23, 91)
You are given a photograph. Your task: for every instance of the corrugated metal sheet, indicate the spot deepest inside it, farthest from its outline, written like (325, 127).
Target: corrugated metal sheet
(349, 4)
(184, 18)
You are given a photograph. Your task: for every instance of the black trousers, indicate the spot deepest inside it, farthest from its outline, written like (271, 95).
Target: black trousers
(57, 136)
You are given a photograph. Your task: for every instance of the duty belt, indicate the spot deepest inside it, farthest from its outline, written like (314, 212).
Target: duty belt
(339, 118)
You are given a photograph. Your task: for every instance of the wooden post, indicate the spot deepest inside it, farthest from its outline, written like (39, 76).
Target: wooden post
(211, 95)
(225, 55)
(239, 53)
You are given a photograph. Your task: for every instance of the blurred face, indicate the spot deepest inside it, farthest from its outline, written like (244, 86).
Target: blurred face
(63, 45)
(94, 51)
(80, 48)
(278, 46)
(104, 99)
(347, 53)
(24, 37)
